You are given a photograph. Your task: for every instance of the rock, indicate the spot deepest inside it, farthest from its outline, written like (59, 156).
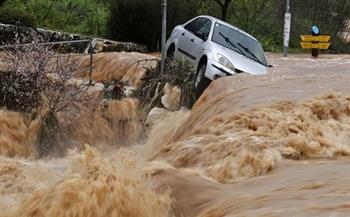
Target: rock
(158, 115)
(96, 89)
(171, 98)
(129, 90)
(155, 116)
(111, 46)
(28, 34)
(99, 47)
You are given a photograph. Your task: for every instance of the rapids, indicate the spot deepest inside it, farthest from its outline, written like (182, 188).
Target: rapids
(17, 135)
(122, 66)
(92, 186)
(272, 145)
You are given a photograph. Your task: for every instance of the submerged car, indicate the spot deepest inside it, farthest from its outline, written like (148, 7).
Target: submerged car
(215, 49)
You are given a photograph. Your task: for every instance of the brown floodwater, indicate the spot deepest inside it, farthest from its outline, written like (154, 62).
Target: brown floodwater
(272, 145)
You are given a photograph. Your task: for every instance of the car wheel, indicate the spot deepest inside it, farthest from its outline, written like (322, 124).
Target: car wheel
(171, 53)
(201, 82)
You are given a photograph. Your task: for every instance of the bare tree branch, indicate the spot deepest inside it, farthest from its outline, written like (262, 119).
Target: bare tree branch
(48, 78)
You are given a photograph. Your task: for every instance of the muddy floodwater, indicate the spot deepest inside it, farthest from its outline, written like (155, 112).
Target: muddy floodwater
(272, 145)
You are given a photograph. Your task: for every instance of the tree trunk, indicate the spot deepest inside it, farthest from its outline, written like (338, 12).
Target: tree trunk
(48, 135)
(224, 13)
(224, 7)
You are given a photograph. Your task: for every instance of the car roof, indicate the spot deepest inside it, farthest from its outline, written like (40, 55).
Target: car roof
(227, 24)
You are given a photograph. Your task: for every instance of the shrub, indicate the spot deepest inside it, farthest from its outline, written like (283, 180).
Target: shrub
(74, 16)
(338, 45)
(19, 92)
(41, 81)
(177, 73)
(16, 17)
(24, 97)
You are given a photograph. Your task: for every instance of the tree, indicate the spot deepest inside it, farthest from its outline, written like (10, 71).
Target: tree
(50, 93)
(73, 16)
(224, 7)
(140, 20)
(248, 13)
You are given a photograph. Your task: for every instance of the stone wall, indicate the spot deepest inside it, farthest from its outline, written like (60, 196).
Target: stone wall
(8, 34)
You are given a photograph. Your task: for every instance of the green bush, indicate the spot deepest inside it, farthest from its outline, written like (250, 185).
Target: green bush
(16, 17)
(338, 45)
(87, 17)
(140, 20)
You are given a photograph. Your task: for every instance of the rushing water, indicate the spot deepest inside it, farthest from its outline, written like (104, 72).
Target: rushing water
(274, 145)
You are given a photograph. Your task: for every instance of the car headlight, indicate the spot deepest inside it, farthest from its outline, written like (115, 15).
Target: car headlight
(225, 62)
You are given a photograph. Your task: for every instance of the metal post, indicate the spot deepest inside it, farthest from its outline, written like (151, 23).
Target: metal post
(90, 68)
(287, 22)
(314, 13)
(163, 56)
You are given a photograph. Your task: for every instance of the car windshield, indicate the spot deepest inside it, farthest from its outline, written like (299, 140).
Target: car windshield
(238, 42)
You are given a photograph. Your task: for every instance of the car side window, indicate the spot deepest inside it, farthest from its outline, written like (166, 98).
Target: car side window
(199, 27)
(189, 25)
(205, 29)
(194, 25)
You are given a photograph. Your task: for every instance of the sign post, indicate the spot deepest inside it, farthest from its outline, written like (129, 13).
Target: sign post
(319, 42)
(163, 55)
(286, 32)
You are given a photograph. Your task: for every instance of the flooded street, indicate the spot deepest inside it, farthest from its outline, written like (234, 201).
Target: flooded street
(271, 145)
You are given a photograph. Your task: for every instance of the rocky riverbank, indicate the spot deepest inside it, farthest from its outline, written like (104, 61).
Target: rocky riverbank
(9, 33)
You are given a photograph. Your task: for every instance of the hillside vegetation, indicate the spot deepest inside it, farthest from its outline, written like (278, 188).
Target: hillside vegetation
(139, 20)
(76, 16)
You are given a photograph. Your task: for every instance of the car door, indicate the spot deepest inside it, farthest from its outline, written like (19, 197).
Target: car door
(198, 38)
(187, 38)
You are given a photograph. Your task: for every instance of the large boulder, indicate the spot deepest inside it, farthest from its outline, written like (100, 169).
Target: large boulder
(172, 97)
(155, 116)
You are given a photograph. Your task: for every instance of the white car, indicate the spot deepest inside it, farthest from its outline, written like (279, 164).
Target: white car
(215, 49)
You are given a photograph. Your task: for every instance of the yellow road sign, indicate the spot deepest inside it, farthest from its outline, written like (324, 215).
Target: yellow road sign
(324, 46)
(324, 38)
(310, 45)
(320, 38)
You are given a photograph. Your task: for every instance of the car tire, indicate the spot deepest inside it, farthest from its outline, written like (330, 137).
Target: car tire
(171, 53)
(201, 82)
